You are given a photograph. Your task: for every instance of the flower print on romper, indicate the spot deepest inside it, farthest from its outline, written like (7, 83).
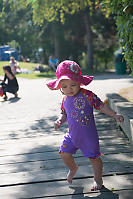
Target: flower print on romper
(74, 114)
(84, 120)
(79, 103)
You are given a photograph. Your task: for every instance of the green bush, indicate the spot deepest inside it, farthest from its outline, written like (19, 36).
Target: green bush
(123, 12)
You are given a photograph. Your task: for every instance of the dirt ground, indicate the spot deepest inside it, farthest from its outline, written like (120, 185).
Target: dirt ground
(127, 93)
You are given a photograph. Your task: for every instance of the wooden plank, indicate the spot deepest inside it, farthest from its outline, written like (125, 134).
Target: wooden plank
(45, 140)
(116, 149)
(36, 173)
(41, 124)
(28, 149)
(105, 194)
(51, 139)
(6, 135)
(116, 133)
(16, 172)
(49, 143)
(61, 188)
(53, 156)
(34, 124)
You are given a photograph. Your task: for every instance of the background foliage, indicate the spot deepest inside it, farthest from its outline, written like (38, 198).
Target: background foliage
(123, 12)
(62, 28)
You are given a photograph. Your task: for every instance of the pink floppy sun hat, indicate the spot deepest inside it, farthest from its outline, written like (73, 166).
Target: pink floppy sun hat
(69, 70)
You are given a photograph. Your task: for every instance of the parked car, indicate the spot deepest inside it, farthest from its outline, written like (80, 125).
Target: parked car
(6, 52)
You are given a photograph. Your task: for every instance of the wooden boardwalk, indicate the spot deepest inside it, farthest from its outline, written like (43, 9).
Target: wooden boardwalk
(30, 166)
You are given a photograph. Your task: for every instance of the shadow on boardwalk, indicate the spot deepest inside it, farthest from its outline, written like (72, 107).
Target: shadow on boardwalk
(35, 170)
(30, 165)
(105, 193)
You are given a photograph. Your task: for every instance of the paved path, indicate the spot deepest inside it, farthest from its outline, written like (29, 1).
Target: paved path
(30, 166)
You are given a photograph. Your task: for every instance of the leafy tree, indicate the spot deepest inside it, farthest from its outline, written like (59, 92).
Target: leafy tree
(51, 10)
(65, 28)
(4, 36)
(123, 11)
(105, 39)
(4, 31)
(18, 25)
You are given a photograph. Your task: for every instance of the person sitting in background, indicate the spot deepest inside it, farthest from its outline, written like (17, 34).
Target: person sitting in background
(53, 62)
(40, 68)
(14, 65)
(12, 83)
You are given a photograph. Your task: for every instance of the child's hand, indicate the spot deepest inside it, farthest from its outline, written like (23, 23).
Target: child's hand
(119, 118)
(57, 124)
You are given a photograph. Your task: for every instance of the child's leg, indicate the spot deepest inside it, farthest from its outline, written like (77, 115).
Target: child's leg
(70, 163)
(97, 167)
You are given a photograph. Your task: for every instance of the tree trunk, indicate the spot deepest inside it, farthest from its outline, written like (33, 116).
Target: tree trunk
(56, 40)
(105, 64)
(89, 39)
(56, 46)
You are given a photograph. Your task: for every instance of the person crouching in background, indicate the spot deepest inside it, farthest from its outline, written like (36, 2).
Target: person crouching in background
(12, 84)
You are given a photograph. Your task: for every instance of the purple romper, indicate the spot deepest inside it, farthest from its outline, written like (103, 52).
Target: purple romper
(82, 133)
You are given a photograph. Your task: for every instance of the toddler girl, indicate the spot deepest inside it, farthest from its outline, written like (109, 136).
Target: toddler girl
(77, 109)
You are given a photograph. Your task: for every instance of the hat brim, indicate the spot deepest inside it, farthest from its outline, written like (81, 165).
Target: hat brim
(82, 79)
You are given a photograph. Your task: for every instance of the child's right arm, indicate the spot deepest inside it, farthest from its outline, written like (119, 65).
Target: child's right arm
(60, 121)
(107, 110)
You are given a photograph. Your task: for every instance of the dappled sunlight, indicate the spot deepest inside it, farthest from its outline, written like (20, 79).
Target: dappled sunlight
(40, 127)
(32, 167)
(122, 157)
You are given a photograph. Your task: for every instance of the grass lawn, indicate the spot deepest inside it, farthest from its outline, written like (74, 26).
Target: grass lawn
(126, 92)
(30, 67)
(33, 75)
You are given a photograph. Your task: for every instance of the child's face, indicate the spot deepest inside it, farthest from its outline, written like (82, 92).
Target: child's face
(69, 87)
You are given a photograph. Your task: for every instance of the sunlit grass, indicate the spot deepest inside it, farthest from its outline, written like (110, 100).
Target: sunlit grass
(30, 67)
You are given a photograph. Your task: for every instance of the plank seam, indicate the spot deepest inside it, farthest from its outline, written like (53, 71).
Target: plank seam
(64, 179)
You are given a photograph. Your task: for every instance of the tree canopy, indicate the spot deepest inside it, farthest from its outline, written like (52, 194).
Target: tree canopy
(122, 9)
(51, 10)
(74, 26)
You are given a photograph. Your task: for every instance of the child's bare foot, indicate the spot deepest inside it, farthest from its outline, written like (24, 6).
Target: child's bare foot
(71, 174)
(97, 186)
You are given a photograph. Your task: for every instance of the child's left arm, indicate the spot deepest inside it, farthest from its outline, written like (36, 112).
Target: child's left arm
(107, 110)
